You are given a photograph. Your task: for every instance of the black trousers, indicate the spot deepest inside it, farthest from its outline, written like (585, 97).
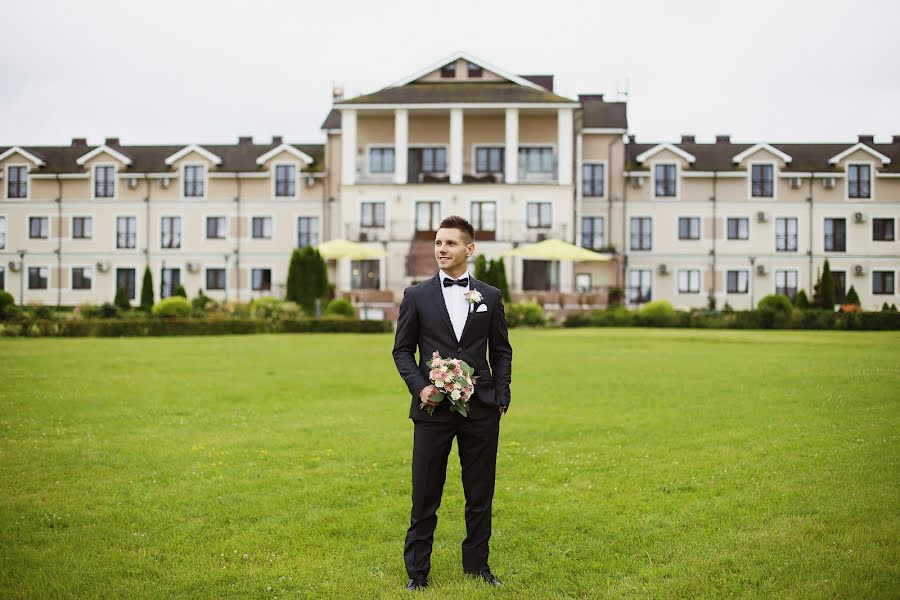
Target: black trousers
(476, 439)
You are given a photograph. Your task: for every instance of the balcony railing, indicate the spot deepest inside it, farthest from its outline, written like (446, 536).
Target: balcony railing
(509, 231)
(126, 240)
(172, 240)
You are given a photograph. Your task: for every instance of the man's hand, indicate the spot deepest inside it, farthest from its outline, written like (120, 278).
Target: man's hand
(426, 394)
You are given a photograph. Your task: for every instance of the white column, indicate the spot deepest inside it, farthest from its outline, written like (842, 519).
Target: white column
(512, 146)
(456, 145)
(564, 145)
(348, 147)
(401, 144)
(344, 275)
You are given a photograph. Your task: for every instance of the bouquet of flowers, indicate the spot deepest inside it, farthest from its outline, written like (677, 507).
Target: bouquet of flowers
(455, 380)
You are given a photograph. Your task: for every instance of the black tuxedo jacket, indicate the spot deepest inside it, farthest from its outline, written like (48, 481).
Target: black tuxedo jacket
(424, 323)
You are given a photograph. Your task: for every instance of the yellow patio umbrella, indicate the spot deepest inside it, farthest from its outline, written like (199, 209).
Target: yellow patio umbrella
(341, 248)
(554, 249)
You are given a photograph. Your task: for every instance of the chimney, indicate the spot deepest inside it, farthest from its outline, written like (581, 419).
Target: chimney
(895, 139)
(866, 139)
(337, 92)
(723, 139)
(590, 98)
(245, 140)
(112, 141)
(276, 140)
(631, 138)
(79, 142)
(688, 139)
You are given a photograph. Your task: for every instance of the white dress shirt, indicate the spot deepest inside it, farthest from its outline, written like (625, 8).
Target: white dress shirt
(457, 305)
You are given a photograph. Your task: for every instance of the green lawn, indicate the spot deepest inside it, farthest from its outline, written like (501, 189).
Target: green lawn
(633, 463)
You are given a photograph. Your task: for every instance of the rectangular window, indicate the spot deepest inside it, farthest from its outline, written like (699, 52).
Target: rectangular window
(786, 234)
(194, 181)
(104, 181)
(2, 277)
(262, 228)
(82, 228)
(836, 235)
(538, 214)
(215, 279)
(448, 71)
(592, 231)
(840, 286)
(372, 214)
(474, 70)
(285, 181)
(882, 282)
(261, 280)
(364, 275)
(762, 184)
(688, 228)
(81, 278)
(489, 160)
(126, 232)
(640, 286)
(786, 283)
(882, 230)
(859, 181)
(641, 233)
(215, 228)
(127, 280)
(38, 228)
(483, 216)
(171, 232)
(381, 160)
(170, 280)
(592, 180)
(307, 231)
(665, 180)
(17, 182)
(2, 234)
(538, 159)
(37, 278)
(689, 281)
(737, 282)
(434, 160)
(738, 228)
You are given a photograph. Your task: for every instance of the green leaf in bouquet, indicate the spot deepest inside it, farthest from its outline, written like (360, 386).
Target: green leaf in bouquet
(467, 369)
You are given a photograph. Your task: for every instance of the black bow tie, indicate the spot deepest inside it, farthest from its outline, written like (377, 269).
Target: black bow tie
(464, 282)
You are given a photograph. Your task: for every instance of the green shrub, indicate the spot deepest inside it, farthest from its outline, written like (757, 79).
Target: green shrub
(852, 297)
(613, 316)
(8, 308)
(289, 310)
(122, 299)
(658, 313)
(776, 303)
(265, 307)
(180, 291)
(203, 303)
(108, 311)
(524, 313)
(801, 301)
(340, 307)
(147, 290)
(173, 306)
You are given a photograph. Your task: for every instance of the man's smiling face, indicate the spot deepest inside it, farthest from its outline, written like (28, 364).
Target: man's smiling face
(452, 249)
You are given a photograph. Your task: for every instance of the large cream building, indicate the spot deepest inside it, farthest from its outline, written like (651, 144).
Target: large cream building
(678, 221)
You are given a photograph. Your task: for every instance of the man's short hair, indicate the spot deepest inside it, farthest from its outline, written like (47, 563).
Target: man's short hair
(457, 222)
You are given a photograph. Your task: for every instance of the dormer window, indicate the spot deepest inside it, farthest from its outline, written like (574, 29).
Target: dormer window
(104, 181)
(448, 71)
(859, 181)
(762, 181)
(475, 71)
(17, 182)
(285, 181)
(194, 180)
(664, 176)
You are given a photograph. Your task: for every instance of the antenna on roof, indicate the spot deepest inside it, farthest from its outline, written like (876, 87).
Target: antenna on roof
(623, 91)
(337, 91)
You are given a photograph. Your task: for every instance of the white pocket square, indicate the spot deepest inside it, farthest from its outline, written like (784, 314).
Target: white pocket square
(482, 308)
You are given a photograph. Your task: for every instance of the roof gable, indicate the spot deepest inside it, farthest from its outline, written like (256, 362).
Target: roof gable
(301, 156)
(641, 158)
(104, 149)
(193, 148)
(762, 146)
(24, 154)
(859, 146)
(415, 77)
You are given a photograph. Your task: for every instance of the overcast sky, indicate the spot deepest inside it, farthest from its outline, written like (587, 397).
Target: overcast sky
(209, 71)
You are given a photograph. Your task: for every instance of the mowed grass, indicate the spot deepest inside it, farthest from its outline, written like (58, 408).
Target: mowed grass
(633, 463)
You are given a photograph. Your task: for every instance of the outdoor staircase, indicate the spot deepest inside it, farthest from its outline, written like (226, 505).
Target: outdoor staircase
(420, 259)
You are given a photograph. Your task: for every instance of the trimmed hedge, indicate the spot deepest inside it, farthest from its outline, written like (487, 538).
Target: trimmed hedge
(184, 326)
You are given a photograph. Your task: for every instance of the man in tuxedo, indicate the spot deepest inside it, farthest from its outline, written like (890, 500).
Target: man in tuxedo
(435, 316)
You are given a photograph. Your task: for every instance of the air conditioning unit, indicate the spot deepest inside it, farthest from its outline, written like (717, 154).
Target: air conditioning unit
(762, 216)
(663, 269)
(310, 182)
(165, 182)
(637, 181)
(829, 183)
(858, 217)
(103, 267)
(132, 183)
(859, 270)
(193, 267)
(796, 182)
(13, 266)
(761, 270)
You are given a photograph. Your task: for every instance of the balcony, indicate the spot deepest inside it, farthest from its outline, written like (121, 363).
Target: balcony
(508, 231)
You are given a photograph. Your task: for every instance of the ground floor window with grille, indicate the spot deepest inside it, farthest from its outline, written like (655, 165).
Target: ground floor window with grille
(126, 279)
(640, 286)
(364, 275)
(215, 279)
(171, 279)
(81, 278)
(261, 280)
(262, 228)
(307, 231)
(689, 281)
(82, 228)
(592, 233)
(737, 281)
(37, 278)
(786, 283)
(882, 282)
(126, 232)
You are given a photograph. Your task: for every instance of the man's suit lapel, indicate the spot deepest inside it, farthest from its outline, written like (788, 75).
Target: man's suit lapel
(437, 297)
(472, 286)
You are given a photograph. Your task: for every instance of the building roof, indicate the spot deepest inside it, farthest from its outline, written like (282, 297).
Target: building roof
(152, 159)
(459, 93)
(597, 114)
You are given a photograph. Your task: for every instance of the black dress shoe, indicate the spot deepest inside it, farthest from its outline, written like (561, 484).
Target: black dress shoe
(417, 583)
(487, 576)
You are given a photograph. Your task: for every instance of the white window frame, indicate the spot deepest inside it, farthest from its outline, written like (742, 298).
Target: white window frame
(872, 178)
(271, 219)
(27, 276)
(271, 278)
(206, 278)
(872, 283)
(206, 237)
(115, 181)
(137, 282)
(72, 287)
(28, 227)
(496, 204)
(630, 221)
(180, 228)
(3, 232)
(420, 146)
(384, 212)
(6, 169)
(653, 165)
(605, 164)
(872, 229)
(295, 166)
(137, 238)
(699, 237)
(688, 272)
(183, 170)
(629, 287)
(750, 196)
(474, 158)
(538, 202)
(785, 271)
(737, 239)
(602, 231)
(746, 273)
(775, 235)
(296, 230)
(383, 174)
(72, 227)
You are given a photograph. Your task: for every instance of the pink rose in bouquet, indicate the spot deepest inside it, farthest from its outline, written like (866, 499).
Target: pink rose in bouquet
(454, 379)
